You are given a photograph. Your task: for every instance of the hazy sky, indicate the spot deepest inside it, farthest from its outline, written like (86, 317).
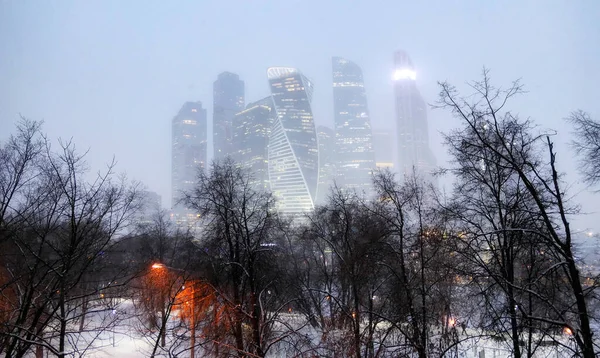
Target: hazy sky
(112, 74)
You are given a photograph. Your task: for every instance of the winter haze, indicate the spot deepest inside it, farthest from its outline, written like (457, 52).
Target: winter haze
(112, 74)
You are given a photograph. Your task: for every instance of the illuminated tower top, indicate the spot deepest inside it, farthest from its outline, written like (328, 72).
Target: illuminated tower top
(412, 135)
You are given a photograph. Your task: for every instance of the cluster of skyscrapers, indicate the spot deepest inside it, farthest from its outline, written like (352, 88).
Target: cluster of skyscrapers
(277, 140)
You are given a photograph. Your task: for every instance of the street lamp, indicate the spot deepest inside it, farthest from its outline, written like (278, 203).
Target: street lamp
(161, 266)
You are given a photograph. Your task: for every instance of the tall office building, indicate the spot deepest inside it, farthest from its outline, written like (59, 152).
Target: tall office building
(251, 131)
(150, 207)
(293, 151)
(228, 99)
(383, 144)
(411, 121)
(327, 162)
(189, 151)
(353, 136)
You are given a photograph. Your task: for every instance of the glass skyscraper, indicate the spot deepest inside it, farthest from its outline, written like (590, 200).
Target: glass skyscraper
(411, 121)
(292, 152)
(228, 99)
(327, 164)
(383, 144)
(189, 150)
(353, 136)
(251, 132)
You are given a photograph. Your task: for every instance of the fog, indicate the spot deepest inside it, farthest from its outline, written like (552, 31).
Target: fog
(112, 74)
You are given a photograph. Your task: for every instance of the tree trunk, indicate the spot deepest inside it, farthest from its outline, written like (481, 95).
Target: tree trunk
(256, 325)
(84, 306)
(39, 349)
(586, 341)
(63, 327)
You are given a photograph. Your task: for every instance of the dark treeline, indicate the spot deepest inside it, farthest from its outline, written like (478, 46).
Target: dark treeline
(407, 272)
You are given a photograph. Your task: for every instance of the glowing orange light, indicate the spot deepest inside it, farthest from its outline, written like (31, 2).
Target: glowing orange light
(451, 321)
(568, 331)
(157, 266)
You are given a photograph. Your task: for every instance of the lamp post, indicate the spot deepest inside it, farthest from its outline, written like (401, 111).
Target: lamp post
(193, 322)
(160, 266)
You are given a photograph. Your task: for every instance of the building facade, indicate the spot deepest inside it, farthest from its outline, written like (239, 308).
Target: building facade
(188, 152)
(353, 135)
(150, 207)
(251, 132)
(383, 144)
(293, 151)
(228, 99)
(413, 152)
(327, 162)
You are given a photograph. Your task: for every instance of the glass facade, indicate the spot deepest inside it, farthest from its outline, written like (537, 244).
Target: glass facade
(327, 164)
(228, 99)
(189, 149)
(353, 136)
(292, 152)
(251, 131)
(411, 121)
(383, 144)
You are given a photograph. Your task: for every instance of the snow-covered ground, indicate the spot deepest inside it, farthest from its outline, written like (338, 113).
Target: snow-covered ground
(128, 339)
(131, 347)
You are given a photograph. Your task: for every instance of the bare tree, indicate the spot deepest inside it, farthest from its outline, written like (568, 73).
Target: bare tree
(586, 145)
(18, 158)
(495, 216)
(167, 286)
(342, 285)
(57, 233)
(532, 158)
(421, 265)
(241, 239)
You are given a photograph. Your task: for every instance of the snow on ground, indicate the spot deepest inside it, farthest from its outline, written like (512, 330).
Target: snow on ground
(127, 340)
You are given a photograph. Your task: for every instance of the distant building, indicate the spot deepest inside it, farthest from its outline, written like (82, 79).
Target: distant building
(228, 99)
(293, 151)
(327, 162)
(188, 153)
(251, 131)
(411, 121)
(586, 245)
(383, 143)
(353, 136)
(150, 206)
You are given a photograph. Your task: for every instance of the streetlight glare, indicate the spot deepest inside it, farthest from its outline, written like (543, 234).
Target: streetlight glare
(158, 266)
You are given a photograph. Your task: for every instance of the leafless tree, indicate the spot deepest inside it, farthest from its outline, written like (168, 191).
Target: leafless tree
(421, 265)
(342, 285)
(495, 216)
(586, 145)
(166, 260)
(57, 229)
(498, 139)
(18, 159)
(241, 242)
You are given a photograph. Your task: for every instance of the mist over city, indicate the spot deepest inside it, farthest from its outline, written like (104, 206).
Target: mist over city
(299, 179)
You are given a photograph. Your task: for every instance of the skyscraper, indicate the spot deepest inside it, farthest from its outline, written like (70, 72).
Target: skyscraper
(327, 163)
(150, 207)
(251, 131)
(383, 144)
(189, 151)
(293, 152)
(411, 121)
(228, 99)
(353, 136)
